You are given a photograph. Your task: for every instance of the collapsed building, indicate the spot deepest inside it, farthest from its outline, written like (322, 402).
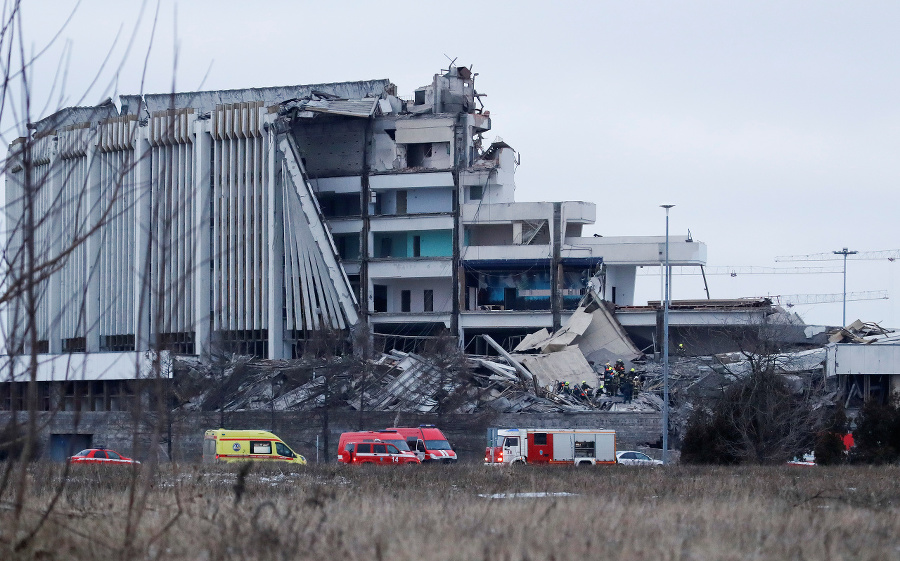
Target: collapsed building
(258, 220)
(270, 222)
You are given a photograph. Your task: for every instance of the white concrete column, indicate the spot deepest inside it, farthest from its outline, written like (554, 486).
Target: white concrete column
(202, 273)
(275, 236)
(142, 234)
(53, 290)
(94, 247)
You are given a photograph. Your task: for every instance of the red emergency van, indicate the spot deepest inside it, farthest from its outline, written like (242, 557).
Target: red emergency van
(428, 442)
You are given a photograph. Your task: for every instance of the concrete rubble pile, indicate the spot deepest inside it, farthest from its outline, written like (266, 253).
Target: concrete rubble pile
(529, 379)
(863, 333)
(396, 381)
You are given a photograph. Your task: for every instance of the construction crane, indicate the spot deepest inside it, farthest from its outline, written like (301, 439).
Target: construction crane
(791, 300)
(889, 254)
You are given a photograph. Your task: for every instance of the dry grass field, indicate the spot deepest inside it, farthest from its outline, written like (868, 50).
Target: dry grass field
(436, 512)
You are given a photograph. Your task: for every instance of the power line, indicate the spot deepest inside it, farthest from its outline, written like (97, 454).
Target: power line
(888, 254)
(734, 271)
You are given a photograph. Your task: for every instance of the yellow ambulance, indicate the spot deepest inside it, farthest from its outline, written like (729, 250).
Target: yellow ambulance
(221, 445)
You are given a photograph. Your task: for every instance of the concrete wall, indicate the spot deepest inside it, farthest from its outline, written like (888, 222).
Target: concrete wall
(300, 429)
(441, 287)
(621, 278)
(429, 200)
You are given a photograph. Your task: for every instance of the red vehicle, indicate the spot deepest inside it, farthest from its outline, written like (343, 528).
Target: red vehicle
(428, 442)
(101, 456)
(389, 436)
(373, 451)
(579, 447)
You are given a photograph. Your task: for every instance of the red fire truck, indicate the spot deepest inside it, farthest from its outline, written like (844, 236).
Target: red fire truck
(578, 447)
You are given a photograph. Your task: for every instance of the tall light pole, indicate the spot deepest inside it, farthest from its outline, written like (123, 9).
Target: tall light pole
(665, 411)
(845, 252)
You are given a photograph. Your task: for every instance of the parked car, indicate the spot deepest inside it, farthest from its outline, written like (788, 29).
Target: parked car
(808, 459)
(389, 436)
(632, 458)
(101, 456)
(375, 452)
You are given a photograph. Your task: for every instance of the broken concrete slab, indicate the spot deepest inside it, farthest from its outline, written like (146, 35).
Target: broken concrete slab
(568, 365)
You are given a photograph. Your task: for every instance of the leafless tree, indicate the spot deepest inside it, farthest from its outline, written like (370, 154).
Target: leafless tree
(48, 227)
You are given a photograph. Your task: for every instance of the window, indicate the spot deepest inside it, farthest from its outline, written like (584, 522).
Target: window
(400, 444)
(391, 449)
(540, 438)
(405, 300)
(386, 247)
(511, 441)
(379, 448)
(260, 447)
(438, 445)
(429, 300)
(99, 454)
(363, 448)
(401, 202)
(113, 455)
(417, 246)
(380, 298)
(282, 450)
(509, 298)
(476, 192)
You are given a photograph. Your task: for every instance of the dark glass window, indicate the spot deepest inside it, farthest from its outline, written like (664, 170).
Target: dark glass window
(405, 300)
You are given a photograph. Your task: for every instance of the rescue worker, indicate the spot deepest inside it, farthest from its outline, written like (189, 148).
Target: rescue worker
(588, 390)
(613, 385)
(566, 389)
(627, 390)
(620, 366)
(559, 386)
(680, 349)
(635, 383)
(578, 392)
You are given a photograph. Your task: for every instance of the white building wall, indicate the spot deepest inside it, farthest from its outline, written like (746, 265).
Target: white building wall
(622, 279)
(443, 295)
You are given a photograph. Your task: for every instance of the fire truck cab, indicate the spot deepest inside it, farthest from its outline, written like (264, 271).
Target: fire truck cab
(577, 447)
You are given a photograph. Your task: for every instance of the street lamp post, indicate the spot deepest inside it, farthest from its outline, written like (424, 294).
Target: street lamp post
(845, 252)
(665, 411)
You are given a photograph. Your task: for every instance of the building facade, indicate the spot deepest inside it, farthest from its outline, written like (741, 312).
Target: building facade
(258, 220)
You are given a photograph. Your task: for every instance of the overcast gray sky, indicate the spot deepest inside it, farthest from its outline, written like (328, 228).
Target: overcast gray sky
(772, 126)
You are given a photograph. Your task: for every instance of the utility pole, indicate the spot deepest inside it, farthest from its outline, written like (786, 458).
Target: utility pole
(665, 411)
(845, 252)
